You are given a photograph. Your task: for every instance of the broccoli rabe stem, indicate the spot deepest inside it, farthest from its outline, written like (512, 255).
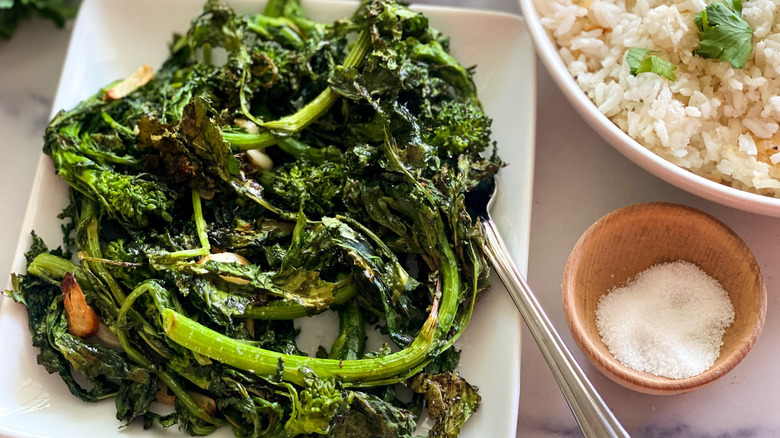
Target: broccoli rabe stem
(284, 27)
(244, 141)
(291, 9)
(298, 149)
(465, 317)
(53, 269)
(274, 8)
(200, 225)
(89, 239)
(305, 116)
(288, 309)
(322, 103)
(88, 235)
(207, 53)
(116, 125)
(351, 340)
(121, 320)
(217, 346)
(139, 358)
(200, 221)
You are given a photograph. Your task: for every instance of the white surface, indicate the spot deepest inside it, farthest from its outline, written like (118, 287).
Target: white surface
(27, 86)
(107, 45)
(628, 146)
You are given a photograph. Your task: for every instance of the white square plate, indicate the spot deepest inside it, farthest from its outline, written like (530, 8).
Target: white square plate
(111, 38)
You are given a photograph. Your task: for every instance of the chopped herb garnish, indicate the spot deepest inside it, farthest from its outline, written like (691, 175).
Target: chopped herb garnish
(641, 61)
(724, 34)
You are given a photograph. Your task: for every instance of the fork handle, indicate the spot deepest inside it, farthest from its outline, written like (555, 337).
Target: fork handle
(592, 414)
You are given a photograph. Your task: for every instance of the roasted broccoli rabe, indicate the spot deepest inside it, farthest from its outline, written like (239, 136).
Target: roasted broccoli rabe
(196, 251)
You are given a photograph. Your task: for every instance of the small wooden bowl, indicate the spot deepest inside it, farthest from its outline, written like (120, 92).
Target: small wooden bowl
(629, 240)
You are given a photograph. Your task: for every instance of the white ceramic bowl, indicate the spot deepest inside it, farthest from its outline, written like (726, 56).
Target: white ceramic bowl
(684, 179)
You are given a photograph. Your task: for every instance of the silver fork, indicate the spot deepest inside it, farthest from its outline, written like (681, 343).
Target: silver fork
(592, 414)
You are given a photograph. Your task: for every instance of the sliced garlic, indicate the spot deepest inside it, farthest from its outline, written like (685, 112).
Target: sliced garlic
(108, 337)
(82, 319)
(259, 159)
(162, 395)
(204, 402)
(227, 257)
(138, 79)
(249, 125)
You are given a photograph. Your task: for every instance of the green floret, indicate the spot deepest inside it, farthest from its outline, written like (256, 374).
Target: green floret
(314, 407)
(319, 188)
(450, 70)
(132, 199)
(459, 127)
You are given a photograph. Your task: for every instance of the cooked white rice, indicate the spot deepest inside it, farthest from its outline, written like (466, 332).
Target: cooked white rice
(715, 120)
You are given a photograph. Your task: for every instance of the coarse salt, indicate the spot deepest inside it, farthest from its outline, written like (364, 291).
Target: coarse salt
(668, 321)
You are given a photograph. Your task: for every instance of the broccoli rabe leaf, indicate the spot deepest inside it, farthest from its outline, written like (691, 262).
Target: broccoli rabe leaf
(383, 278)
(369, 416)
(317, 187)
(48, 326)
(350, 344)
(459, 127)
(194, 152)
(134, 399)
(300, 285)
(723, 33)
(450, 401)
(191, 151)
(96, 360)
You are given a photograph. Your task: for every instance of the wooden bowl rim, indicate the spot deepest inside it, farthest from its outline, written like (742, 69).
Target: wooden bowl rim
(608, 364)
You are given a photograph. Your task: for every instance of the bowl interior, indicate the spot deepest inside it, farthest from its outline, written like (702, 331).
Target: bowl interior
(723, 194)
(628, 241)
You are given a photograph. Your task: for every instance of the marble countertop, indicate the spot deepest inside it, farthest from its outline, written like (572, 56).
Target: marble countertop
(578, 178)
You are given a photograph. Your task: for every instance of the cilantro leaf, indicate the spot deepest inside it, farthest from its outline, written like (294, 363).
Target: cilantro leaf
(635, 56)
(641, 61)
(659, 66)
(724, 34)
